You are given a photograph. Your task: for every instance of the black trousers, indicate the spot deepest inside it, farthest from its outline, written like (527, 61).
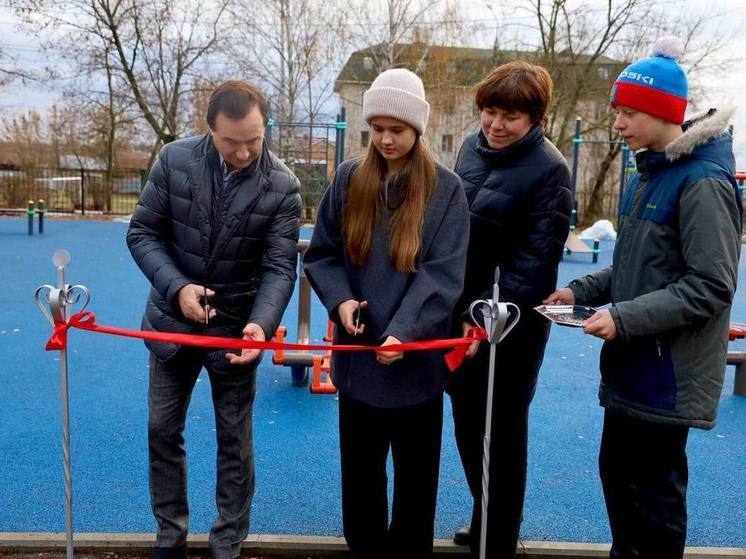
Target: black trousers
(365, 435)
(644, 473)
(519, 358)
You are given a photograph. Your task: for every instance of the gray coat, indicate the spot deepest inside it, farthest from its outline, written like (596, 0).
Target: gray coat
(672, 280)
(408, 306)
(250, 263)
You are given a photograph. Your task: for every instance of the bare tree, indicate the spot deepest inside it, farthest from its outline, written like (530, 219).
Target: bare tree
(106, 114)
(574, 45)
(151, 46)
(26, 133)
(386, 28)
(604, 156)
(9, 70)
(199, 97)
(26, 136)
(585, 45)
(291, 48)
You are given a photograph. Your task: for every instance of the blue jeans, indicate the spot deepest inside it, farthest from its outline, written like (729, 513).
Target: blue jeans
(169, 394)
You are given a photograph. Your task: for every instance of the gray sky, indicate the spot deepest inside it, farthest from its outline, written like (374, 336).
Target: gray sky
(720, 91)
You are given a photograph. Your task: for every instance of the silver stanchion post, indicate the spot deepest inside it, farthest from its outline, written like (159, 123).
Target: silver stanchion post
(60, 301)
(494, 316)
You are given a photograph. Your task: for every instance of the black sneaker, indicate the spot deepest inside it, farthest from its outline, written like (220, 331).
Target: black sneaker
(462, 536)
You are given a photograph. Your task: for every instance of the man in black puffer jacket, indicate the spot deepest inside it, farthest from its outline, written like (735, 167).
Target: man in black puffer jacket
(215, 233)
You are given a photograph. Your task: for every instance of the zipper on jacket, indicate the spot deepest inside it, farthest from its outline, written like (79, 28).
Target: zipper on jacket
(658, 345)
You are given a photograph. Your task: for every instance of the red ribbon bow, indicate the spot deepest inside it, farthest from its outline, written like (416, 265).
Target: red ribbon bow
(58, 340)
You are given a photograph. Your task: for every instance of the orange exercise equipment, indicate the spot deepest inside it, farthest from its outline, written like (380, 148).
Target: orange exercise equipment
(300, 361)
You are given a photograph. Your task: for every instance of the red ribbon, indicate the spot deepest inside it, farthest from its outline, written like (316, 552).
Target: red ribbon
(86, 320)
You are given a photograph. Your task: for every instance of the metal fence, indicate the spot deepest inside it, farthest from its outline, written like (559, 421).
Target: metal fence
(71, 190)
(313, 152)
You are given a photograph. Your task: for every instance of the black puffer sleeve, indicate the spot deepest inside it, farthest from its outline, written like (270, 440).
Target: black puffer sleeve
(532, 274)
(150, 228)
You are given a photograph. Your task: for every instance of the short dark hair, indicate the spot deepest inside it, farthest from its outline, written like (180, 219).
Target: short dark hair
(517, 86)
(235, 98)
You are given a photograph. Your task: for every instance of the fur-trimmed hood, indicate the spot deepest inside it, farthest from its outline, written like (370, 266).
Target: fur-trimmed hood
(699, 131)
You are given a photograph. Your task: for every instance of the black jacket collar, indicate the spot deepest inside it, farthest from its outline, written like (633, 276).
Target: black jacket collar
(512, 152)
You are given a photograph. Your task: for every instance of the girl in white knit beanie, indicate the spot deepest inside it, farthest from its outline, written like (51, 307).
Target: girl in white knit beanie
(387, 260)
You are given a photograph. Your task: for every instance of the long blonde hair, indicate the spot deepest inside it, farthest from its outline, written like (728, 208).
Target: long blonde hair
(364, 204)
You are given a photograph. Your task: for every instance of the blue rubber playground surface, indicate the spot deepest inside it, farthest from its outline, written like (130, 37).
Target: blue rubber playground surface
(295, 432)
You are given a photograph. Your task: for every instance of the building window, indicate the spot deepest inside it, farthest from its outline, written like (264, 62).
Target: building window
(603, 72)
(364, 138)
(446, 143)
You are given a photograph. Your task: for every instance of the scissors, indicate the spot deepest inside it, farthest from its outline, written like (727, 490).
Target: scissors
(356, 316)
(207, 306)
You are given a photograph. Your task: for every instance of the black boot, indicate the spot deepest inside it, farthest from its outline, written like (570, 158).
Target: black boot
(462, 536)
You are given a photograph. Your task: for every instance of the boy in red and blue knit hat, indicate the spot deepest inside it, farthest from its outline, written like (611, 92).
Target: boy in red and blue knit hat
(671, 286)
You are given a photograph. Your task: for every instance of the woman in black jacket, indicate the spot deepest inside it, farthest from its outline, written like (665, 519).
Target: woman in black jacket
(387, 260)
(517, 185)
